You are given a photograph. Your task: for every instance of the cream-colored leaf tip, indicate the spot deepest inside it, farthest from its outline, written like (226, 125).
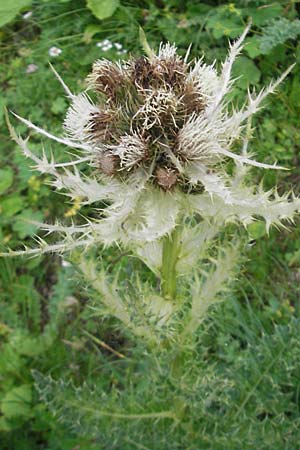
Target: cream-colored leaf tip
(157, 136)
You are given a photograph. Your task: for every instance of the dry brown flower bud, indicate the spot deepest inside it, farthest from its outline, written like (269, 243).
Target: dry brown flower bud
(109, 164)
(166, 178)
(102, 125)
(106, 78)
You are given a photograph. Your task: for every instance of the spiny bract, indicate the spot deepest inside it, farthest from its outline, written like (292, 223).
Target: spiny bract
(157, 138)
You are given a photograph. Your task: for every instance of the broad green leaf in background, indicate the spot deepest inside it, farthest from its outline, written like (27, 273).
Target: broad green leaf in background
(17, 401)
(225, 20)
(9, 9)
(225, 27)
(23, 226)
(10, 360)
(252, 46)
(59, 105)
(278, 32)
(9, 206)
(261, 15)
(102, 9)
(6, 179)
(256, 230)
(32, 346)
(247, 72)
(90, 32)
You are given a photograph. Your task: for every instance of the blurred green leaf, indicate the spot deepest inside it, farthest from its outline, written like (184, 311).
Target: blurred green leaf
(295, 93)
(10, 360)
(263, 14)
(32, 346)
(225, 20)
(3, 102)
(257, 230)
(90, 32)
(17, 401)
(5, 425)
(59, 105)
(246, 70)
(252, 46)
(278, 32)
(102, 9)
(23, 227)
(6, 179)
(143, 39)
(9, 9)
(11, 205)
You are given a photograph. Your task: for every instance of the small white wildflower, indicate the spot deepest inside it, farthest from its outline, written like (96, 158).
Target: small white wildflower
(27, 15)
(54, 51)
(31, 68)
(118, 46)
(105, 44)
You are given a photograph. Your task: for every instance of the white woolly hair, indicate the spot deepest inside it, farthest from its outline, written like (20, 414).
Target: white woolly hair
(78, 117)
(131, 150)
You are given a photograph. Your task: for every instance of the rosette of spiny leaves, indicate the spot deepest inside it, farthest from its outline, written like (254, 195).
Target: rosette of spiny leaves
(157, 137)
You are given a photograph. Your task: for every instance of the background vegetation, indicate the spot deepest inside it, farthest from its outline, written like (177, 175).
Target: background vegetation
(61, 364)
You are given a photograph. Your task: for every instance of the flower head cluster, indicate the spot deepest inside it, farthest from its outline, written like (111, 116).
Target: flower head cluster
(146, 113)
(157, 137)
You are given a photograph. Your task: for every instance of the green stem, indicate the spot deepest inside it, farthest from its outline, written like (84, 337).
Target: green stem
(171, 247)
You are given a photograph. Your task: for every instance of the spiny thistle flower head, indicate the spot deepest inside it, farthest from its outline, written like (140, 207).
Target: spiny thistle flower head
(146, 117)
(157, 136)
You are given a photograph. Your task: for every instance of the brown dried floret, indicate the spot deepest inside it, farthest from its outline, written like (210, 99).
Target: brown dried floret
(192, 100)
(108, 163)
(141, 72)
(166, 177)
(158, 72)
(171, 71)
(102, 125)
(107, 78)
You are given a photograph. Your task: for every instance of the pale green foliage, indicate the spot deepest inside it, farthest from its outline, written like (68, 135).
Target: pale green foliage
(242, 397)
(153, 316)
(277, 32)
(103, 8)
(205, 292)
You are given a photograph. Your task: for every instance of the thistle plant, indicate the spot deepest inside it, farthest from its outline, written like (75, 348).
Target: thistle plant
(157, 134)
